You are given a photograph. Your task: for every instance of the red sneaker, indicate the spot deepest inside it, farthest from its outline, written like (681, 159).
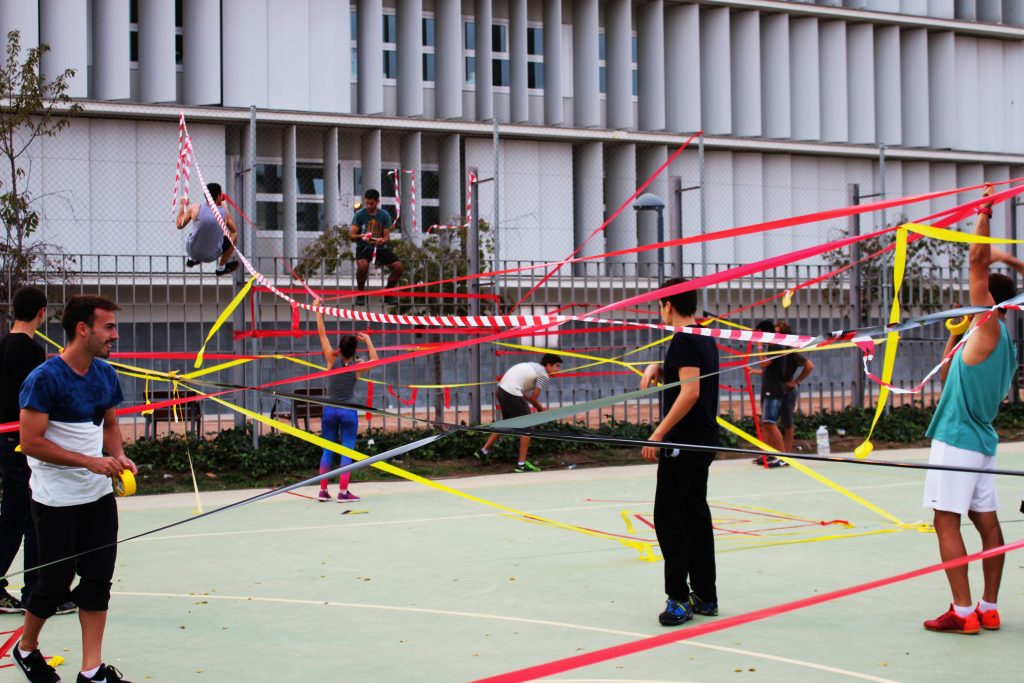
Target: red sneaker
(989, 620)
(951, 623)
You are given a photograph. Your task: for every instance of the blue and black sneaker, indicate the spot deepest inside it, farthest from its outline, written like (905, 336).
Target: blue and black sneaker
(675, 613)
(703, 607)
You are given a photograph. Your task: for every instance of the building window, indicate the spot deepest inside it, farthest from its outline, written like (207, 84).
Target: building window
(309, 196)
(501, 77)
(133, 33)
(469, 48)
(354, 42)
(428, 50)
(602, 52)
(390, 46)
(535, 57)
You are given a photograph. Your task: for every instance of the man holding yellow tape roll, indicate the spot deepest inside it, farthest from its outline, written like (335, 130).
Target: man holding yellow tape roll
(68, 421)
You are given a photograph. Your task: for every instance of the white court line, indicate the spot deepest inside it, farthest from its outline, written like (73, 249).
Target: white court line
(518, 620)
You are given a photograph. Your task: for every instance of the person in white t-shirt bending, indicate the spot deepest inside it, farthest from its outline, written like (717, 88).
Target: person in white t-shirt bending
(518, 389)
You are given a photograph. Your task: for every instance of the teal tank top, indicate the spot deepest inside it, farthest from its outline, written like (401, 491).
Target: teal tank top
(971, 397)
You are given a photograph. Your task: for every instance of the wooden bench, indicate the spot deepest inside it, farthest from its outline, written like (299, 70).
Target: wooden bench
(301, 409)
(190, 414)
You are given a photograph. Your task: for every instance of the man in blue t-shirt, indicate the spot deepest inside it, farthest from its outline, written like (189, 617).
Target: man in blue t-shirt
(68, 420)
(682, 518)
(371, 231)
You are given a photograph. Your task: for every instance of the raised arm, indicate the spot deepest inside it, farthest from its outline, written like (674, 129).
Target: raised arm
(325, 343)
(186, 214)
(986, 336)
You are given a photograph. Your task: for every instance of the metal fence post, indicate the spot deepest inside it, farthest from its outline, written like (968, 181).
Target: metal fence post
(250, 371)
(703, 221)
(1018, 319)
(856, 315)
(473, 287)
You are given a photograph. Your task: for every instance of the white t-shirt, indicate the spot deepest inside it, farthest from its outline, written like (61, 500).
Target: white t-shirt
(523, 379)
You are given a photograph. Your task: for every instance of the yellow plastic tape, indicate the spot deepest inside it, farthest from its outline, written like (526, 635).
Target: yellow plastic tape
(796, 464)
(399, 472)
(947, 235)
(224, 315)
(124, 485)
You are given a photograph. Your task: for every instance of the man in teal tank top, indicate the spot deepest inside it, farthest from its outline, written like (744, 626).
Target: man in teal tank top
(979, 376)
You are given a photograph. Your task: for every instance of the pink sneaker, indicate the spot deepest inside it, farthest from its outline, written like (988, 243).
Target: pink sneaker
(347, 497)
(323, 496)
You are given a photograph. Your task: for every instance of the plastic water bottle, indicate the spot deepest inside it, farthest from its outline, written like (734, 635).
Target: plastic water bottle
(823, 445)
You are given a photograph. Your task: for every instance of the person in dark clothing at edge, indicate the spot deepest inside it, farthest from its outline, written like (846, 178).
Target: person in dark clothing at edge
(689, 415)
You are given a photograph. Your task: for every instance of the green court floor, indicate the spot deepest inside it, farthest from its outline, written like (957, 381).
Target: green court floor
(415, 584)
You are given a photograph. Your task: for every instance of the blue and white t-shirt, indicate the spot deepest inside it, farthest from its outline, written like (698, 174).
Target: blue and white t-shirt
(75, 405)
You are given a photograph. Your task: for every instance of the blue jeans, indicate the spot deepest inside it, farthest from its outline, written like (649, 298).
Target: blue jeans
(340, 425)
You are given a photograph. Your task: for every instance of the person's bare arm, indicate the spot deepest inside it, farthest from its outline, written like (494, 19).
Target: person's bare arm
(689, 392)
(805, 372)
(113, 443)
(985, 338)
(230, 222)
(186, 214)
(535, 400)
(950, 343)
(33, 426)
(325, 343)
(652, 376)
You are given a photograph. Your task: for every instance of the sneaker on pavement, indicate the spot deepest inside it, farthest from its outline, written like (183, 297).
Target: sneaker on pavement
(776, 462)
(675, 613)
(34, 666)
(951, 623)
(323, 496)
(989, 620)
(526, 467)
(10, 604)
(703, 607)
(106, 674)
(229, 267)
(348, 497)
(67, 607)
(481, 455)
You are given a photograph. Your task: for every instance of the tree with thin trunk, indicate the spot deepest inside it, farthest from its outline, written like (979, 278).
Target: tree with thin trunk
(32, 107)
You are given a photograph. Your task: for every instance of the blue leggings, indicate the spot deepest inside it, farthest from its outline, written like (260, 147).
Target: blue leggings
(340, 425)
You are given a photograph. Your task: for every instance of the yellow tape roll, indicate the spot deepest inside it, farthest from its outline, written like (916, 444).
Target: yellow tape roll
(125, 486)
(958, 325)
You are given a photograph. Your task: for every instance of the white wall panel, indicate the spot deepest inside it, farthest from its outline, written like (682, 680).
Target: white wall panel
(330, 66)
(1013, 96)
(682, 72)
(110, 50)
(860, 79)
(748, 205)
(941, 9)
(967, 106)
(158, 72)
(287, 61)
(832, 81)
(746, 73)
(22, 17)
(775, 85)
(201, 51)
(804, 67)
(777, 202)
(64, 27)
(914, 87)
(942, 89)
(719, 180)
(244, 79)
(991, 80)
(888, 99)
(715, 71)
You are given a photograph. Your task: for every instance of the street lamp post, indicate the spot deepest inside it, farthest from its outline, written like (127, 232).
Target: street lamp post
(652, 202)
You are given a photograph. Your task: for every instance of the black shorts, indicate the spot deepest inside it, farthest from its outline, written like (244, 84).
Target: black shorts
(225, 245)
(511, 405)
(385, 257)
(67, 531)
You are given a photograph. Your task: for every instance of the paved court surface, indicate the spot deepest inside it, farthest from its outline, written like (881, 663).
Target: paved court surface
(429, 587)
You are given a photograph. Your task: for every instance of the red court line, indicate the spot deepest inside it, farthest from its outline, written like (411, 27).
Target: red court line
(689, 632)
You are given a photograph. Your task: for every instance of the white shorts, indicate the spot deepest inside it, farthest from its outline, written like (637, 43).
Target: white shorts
(960, 491)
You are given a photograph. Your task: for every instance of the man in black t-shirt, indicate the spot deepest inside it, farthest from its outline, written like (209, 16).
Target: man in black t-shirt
(773, 391)
(689, 412)
(19, 355)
